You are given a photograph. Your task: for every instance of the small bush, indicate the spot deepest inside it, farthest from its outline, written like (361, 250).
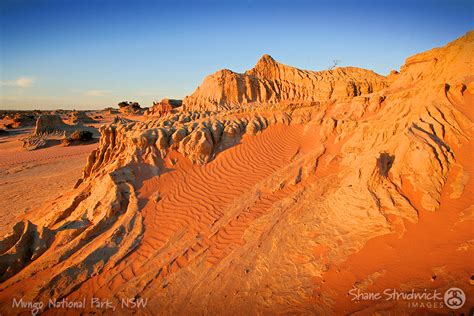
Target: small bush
(77, 136)
(81, 136)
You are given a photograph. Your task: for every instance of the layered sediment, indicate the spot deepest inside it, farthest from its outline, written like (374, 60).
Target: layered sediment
(271, 82)
(228, 205)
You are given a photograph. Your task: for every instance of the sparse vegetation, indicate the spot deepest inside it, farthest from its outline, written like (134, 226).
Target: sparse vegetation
(129, 108)
(134, 105)
(335, 63)
(76, 137)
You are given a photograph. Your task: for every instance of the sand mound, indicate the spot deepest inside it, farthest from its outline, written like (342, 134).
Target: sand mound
(80, 117)
(50, 126)
(240, 211)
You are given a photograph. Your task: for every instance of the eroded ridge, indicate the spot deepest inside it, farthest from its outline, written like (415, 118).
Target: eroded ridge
(224, 211)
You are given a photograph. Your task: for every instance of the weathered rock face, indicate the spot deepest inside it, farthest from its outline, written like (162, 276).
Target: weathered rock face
(253, 190)
(272, 82)
(25, 244)
(198, 136)
(80, 117)
(50, 123)
(163, 107)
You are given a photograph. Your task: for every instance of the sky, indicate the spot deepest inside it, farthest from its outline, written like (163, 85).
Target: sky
(74, 54)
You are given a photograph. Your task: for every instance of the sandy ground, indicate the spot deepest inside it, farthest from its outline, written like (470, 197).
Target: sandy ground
(435, 253)
(30, 178)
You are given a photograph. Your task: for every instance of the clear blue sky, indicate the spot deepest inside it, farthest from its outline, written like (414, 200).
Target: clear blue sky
(93, 54)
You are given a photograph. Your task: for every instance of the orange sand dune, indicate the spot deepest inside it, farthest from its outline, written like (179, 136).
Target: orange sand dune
(196, 204)
(434, 253)
(281, 192)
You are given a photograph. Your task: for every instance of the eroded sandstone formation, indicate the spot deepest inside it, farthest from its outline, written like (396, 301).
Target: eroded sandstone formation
(213, 209)
(49, 124)
(272, 82)
(52, 125)
(163, 107)
(80, 117)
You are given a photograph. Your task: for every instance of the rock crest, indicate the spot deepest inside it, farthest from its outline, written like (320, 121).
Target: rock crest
(270, 82)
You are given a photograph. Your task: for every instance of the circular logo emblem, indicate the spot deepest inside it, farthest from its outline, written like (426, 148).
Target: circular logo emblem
(454, 298)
